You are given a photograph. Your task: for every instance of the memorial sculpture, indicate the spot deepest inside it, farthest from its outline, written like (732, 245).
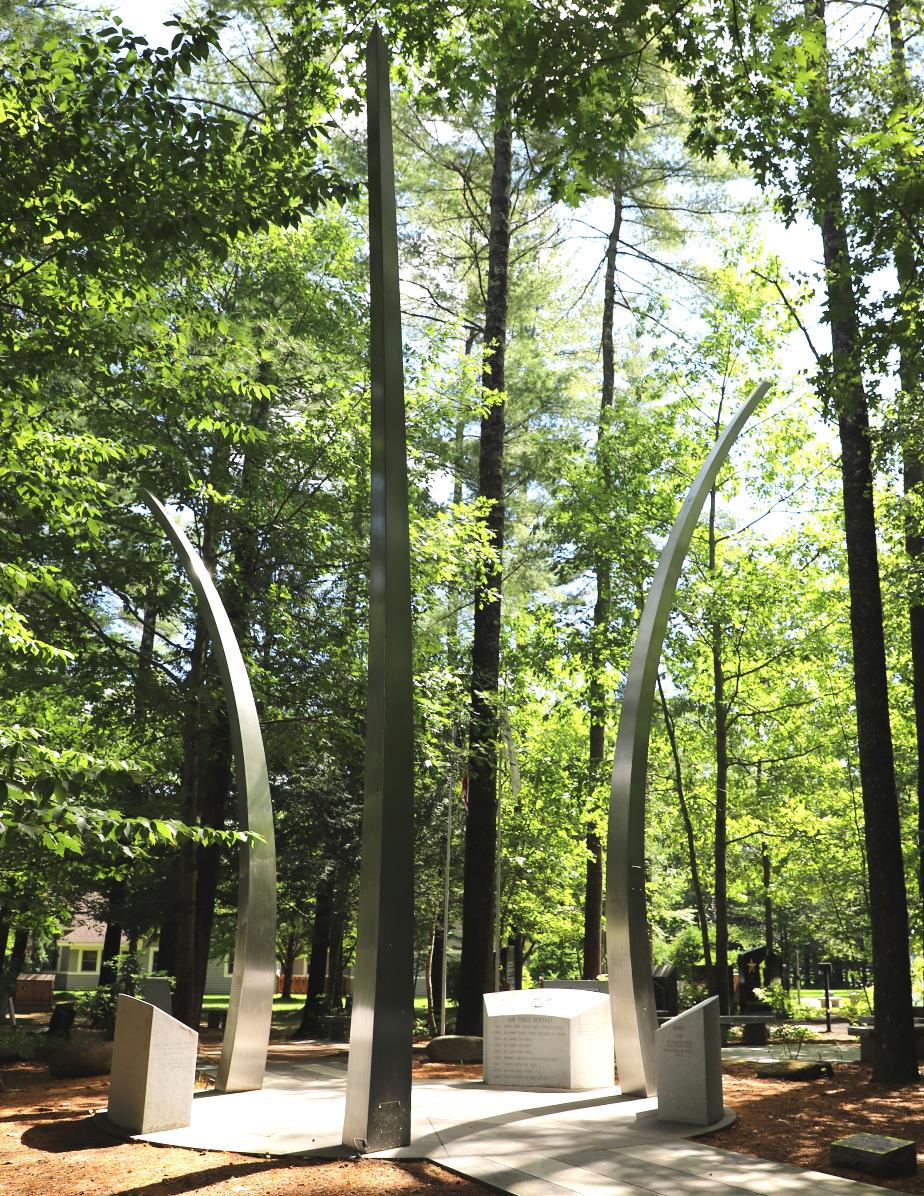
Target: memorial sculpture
(250, 1010)
(378, 1099)
(378, 1095)
(627, 947)
(153, 1069)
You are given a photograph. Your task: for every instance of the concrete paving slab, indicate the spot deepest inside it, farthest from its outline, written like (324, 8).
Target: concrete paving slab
(504, 1178)
(525, 1143)
(835, 1051)
(746, 1171)
(618, 1177)
(617, 1165)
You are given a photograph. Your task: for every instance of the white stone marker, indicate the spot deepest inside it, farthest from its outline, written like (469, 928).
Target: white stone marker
(156, 991)
(548, 1038)
(688, 1062)
(153, 1069)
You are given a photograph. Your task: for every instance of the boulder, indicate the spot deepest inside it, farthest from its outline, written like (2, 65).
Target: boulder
(456, 1048)
(80, 1059)
(794, 1069)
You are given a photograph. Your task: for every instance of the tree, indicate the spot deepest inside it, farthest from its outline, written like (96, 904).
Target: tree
(772, 104)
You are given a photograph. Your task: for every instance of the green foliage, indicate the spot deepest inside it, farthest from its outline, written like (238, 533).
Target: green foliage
(98, 1005)
(792, 1038)
(779, 1000)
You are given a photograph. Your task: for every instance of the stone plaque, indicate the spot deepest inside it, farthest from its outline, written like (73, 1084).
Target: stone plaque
(153, 1069)
(156, 991)
(548, 1038)
(688, 1059)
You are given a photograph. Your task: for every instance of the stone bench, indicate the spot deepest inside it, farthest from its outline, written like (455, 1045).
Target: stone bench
(866, 1033)
(755, 1027)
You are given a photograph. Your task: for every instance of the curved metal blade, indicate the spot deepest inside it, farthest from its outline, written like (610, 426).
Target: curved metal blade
(243, 1048)
(632, 999)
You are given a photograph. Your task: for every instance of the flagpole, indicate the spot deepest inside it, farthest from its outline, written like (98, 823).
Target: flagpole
(443, 961)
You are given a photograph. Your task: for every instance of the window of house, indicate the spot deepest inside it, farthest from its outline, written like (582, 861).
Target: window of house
(155, 960)
(229, 964)
(89, 960)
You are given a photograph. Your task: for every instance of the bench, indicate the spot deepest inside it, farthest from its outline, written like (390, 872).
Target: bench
(755, 1027)
(866, 1033)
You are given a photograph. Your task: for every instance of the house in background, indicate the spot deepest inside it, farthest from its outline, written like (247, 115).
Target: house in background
(80, 954)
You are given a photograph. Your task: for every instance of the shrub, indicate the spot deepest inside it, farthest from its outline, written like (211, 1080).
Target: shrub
(779, 1000)
(690, 994)
(99, 1004)
(792, 1038)
(860, 1004)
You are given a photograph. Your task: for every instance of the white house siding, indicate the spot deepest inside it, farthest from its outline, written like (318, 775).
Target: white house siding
(216, 982)
(69, 974)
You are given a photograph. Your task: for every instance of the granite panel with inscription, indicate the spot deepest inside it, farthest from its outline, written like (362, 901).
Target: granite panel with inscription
(153, 1069)
(548, 1038)
(688, 1059)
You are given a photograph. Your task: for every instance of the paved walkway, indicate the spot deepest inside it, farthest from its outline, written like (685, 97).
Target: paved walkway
(834, 1050)
(526, 1143)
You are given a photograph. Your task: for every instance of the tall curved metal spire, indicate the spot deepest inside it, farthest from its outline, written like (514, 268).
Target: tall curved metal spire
(632, 1000)
(243, 1048)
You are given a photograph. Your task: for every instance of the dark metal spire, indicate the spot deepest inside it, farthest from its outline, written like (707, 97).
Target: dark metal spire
(378, 1102)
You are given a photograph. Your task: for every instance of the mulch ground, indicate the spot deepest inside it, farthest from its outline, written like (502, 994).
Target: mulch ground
(790, 1122)
(49, 1147)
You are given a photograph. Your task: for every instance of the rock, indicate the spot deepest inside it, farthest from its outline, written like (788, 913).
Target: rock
(456, 1048)
(80, 1059)
(875, 1155)
(794, 1069)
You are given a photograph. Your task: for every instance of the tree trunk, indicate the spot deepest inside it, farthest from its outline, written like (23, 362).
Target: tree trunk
(894, 1055)
(185, 1007)
(701, 915)
(768, 901)
(288, 966)
(908, 271)
(593, 882)
(518, 961)
(317, 959)
(212, 800)
(720, 708)
(481, 827)
(18, 955)
(112, 939)
(432, 988)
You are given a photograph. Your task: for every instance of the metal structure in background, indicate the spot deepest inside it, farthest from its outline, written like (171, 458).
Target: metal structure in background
(243, 1049)
(632, 999)
(378, 1097)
